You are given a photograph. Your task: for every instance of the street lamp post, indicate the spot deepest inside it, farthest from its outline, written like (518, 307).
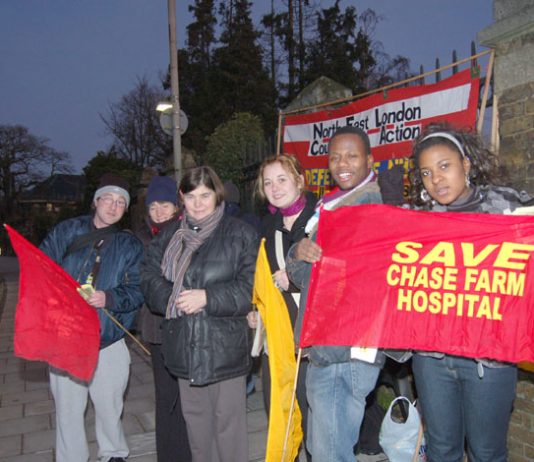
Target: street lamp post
(176, 135)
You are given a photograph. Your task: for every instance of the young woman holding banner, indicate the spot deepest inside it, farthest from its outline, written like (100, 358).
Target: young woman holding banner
(461, 398)
(281, 184)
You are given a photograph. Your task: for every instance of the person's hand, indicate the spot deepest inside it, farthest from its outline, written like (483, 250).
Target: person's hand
(252, 319)
(191, 301)
(281, 280)
(97, 299)
(308, 251)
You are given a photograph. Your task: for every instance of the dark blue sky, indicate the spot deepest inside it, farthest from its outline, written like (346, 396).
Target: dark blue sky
(63, 61)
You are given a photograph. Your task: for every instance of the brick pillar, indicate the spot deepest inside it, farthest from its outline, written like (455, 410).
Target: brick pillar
(512, 37)
(521, 433)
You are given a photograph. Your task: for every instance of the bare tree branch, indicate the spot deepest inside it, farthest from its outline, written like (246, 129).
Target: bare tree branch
(25, 159)
(134, 124)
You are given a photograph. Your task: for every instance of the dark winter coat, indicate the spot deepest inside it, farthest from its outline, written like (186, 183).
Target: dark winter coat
(214, 344)
(118, 275)
(149, 323)
(272, 223)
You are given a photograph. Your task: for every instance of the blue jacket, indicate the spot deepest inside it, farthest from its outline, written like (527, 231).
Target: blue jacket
(118, 276)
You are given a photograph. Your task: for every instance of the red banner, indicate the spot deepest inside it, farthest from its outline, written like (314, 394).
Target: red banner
(53, 323)
(457, 283)
(392, 119)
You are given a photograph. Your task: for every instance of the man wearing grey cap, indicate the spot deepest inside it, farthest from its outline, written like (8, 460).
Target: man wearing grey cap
(94, 251)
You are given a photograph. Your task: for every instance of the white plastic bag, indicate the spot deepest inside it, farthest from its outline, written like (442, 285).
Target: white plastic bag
(400, 440)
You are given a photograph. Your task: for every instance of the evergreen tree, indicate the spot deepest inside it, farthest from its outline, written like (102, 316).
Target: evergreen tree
(301, 40)
(270, 23)
(226, 75)
(290, 47)
(201, 33)
(232, 145)
(286, 33)
(340, 51)
(240, 81)
(196, 94)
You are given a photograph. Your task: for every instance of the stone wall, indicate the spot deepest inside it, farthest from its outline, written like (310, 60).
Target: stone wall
(512, 37)
(521, 432)
(516, 119)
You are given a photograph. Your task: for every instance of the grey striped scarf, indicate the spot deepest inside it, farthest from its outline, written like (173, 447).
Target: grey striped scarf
(178, 253)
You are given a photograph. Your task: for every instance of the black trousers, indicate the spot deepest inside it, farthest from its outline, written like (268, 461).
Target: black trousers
(172, 444)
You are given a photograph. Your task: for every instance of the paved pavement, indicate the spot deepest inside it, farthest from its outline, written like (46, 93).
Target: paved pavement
(27, 409)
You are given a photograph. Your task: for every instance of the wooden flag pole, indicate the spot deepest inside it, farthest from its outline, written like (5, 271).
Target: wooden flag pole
(292, 408)
(495, 141)
(480, 123)
(110, 316)
(279, 133)
(415, 457)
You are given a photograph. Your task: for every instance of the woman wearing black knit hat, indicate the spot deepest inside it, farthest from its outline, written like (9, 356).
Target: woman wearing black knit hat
(172, 445)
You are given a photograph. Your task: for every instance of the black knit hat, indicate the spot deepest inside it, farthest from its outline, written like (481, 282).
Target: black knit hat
(161, 189)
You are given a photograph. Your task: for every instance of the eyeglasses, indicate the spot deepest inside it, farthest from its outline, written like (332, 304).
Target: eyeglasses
(109, 201)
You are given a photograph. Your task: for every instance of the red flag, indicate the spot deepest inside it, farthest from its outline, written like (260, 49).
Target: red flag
(53, 323)
(459, 283)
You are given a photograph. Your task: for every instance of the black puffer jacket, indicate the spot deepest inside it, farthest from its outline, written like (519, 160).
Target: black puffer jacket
(212, 345)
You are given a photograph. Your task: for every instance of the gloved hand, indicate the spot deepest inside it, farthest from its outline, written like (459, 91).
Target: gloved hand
(391, 184)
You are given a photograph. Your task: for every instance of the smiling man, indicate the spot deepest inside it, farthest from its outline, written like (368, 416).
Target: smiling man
(339, 378)
(94, 251)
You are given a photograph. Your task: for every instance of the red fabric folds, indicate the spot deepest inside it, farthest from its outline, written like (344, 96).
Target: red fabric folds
(457, 283)
(52, 322)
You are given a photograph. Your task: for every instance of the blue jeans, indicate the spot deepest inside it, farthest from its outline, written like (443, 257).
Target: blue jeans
(336, 398)
(457, 404)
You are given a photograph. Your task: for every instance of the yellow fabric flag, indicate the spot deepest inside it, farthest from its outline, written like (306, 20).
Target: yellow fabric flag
(282, 363)
(527, 366)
